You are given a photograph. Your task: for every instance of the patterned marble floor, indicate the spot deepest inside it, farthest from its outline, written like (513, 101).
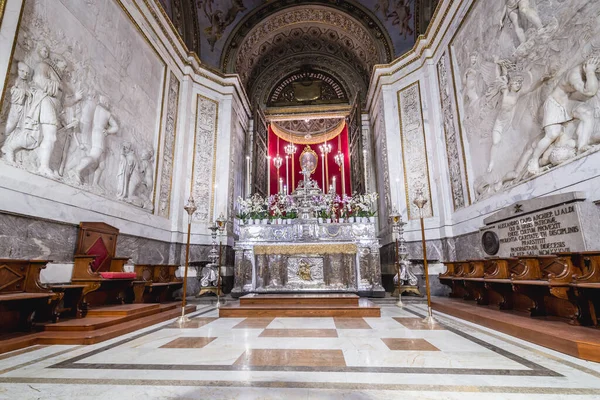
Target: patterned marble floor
(392, 357)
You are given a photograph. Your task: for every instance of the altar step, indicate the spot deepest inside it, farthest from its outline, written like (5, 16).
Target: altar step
(300, 305)
(100, 324)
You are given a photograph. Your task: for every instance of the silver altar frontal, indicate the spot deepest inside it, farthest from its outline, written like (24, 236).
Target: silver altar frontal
(308, 256)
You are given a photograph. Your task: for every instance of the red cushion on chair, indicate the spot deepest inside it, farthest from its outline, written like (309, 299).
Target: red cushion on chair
(118, 275)
(99, 250)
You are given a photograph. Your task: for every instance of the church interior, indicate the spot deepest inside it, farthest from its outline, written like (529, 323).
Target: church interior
(309, 199)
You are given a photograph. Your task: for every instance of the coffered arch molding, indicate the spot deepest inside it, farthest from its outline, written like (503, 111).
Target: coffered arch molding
(339, 28)
(266, 81)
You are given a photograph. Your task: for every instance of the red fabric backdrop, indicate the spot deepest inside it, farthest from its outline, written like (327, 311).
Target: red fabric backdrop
(333, 168)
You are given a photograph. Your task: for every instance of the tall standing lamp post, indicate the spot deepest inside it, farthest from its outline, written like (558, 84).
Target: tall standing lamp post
(420, 202)
(221, 221)
(190, 208)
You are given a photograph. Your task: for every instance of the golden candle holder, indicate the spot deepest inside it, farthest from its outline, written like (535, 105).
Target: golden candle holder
(190, 208)
(420, 202)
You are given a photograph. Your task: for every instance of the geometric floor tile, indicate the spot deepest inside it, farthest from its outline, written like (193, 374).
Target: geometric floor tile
(409, 344)
(193, 324)
(351, 323)
(418, 324)
(254, 323)
(307, 333)
(188, 343)
(292, 358)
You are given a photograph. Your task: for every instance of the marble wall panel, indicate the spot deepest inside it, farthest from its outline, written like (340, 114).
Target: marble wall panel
(526, 83)
(414, 149)
(168, 151)
(28, 238)
(84, 99)
(382, 166)
(454, 145)
(205, 148)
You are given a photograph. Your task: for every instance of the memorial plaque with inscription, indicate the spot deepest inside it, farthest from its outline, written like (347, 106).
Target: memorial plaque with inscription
(544, 226)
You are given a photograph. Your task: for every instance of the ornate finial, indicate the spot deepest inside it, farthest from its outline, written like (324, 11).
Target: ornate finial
(190, 206)
(420, 200)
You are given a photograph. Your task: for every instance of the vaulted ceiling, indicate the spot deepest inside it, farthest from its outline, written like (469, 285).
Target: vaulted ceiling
(266, 40)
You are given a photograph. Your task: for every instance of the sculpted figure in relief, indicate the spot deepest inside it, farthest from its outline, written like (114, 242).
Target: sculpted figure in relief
(19, 96)
(567, 103)
(126, 168)
(103, 124)
(45, 108)
(145, 183)
(512, 10)
(511, 90)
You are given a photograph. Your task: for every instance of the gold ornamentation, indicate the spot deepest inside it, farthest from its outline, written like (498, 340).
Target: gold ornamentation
(304, 271)
(341, 248)
(309, 159)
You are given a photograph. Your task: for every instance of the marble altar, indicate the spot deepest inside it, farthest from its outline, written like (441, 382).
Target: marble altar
(308, 256)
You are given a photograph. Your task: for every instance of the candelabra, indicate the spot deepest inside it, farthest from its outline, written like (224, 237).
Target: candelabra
(401, 259)
(339, 160)
(325, 150)
(290, 149)
(420, 202)
(221, 226)
(278, 162)
(190, 208)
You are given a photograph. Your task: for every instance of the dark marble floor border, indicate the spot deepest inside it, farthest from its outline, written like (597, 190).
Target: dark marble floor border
(343, 386)
(533, 368)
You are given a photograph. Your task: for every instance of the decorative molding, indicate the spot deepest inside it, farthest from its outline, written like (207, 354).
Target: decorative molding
(414, 149)
(453, 139)
(168, 154)
(205, 158)
(312, 131)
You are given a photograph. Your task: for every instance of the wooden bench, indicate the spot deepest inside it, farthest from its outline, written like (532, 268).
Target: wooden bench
(564, 285)
(586, 286)
(98, 269)
(22, 296)
(160, 283)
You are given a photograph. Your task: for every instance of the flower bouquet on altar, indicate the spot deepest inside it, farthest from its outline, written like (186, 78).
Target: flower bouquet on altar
(291, 209)
(347, 208)
(244, 208)
(366, 206)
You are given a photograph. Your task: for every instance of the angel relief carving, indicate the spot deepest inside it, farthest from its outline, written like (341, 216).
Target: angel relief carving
(537, 93)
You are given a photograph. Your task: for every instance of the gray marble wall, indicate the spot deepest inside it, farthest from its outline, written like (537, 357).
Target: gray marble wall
(33, 238)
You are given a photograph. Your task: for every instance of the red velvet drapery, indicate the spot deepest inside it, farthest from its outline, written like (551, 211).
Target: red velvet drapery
(339, 143)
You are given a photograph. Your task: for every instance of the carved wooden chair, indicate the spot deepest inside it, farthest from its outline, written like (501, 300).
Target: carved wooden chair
(97, 267)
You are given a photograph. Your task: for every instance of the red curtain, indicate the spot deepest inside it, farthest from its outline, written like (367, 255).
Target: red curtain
(339, 143)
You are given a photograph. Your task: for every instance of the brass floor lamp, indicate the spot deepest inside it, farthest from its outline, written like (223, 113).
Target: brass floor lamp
(190, 208)
(420, 202)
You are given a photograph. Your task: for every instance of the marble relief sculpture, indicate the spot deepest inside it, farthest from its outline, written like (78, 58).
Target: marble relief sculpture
(513, 9)
(127, 166)
(539, 105)
(104, 124)
(73, 103)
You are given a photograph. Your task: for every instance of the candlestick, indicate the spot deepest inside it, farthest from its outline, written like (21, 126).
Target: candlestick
(287, 174)
(268, 176)
(326, 149)
(323, 172)
(334, 186)
(248, 185)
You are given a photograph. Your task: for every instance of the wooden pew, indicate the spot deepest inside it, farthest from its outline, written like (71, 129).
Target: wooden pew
(22, 296)
(160, 283)
(586, 286)
(99, 270)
